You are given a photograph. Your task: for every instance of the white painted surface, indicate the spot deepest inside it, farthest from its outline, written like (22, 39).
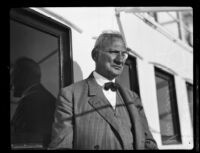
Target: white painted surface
(148, 97)
(153, 46)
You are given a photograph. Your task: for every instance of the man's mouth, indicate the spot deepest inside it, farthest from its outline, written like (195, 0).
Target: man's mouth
(118, 67)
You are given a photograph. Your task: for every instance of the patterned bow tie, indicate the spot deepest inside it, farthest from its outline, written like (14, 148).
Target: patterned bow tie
(110, 85)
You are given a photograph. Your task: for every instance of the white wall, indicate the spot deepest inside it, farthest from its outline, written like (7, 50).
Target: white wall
(153, 46)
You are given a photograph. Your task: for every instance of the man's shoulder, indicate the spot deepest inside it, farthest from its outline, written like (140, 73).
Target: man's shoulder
(73, 90)
(133, 96)
(74, 86)
(131, 93)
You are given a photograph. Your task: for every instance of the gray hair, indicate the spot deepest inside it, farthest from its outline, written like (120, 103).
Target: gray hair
(104, 37)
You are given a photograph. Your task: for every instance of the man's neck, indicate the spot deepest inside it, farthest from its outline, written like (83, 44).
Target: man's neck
(110, 78)
(101, 80)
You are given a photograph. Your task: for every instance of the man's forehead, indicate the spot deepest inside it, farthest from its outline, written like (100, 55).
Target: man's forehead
(115, 42)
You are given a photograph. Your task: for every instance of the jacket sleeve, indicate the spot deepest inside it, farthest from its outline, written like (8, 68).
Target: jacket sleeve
(150, 143)
(62, 130)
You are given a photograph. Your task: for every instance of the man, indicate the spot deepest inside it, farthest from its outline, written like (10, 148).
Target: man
(33, 118)
(96, 113)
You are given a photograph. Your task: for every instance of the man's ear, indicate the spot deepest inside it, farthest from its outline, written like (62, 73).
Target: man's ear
(94, 55)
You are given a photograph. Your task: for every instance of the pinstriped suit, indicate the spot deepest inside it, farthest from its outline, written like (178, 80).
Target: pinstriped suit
(82, 114)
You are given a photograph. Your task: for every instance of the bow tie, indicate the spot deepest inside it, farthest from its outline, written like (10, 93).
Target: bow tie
(110, 85)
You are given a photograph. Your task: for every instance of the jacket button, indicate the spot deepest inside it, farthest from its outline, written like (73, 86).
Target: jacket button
(96, 147)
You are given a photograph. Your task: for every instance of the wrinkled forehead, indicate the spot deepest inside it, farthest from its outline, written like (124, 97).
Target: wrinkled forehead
(109, 40)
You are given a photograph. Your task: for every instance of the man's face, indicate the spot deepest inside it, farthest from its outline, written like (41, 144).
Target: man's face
(111, 59)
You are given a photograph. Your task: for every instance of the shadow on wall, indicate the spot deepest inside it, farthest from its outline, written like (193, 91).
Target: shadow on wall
(78, 74)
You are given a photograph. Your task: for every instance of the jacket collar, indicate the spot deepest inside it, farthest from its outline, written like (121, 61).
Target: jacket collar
(93, 87)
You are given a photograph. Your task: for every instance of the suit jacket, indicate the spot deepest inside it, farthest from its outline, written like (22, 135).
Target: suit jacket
(82, 111)
(32, 121)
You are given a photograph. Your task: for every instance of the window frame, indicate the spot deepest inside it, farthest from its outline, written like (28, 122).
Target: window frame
(134, 83)
(133, 74)
(33, 19)
(173, 103)
(188, 85)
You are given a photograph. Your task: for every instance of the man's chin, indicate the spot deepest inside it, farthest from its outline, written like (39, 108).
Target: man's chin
(116, 73)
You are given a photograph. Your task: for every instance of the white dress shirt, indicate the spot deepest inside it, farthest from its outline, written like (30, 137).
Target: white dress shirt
(110, 95)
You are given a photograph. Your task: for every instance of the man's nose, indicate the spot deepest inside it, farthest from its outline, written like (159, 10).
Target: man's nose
(119, 59)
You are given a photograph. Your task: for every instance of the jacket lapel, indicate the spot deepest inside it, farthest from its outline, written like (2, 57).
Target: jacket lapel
(105, 110)
(135, 119)
(99, 102)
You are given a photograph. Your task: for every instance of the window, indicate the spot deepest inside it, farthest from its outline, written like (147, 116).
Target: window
(35, 29)
(47, 42)
(167, 106)
(129, 77)
(190, 98)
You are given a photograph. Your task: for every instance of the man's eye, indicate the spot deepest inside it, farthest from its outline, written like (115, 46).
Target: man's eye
(114, 52)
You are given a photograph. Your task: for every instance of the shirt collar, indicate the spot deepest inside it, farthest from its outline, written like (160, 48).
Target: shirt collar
(101, 80)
